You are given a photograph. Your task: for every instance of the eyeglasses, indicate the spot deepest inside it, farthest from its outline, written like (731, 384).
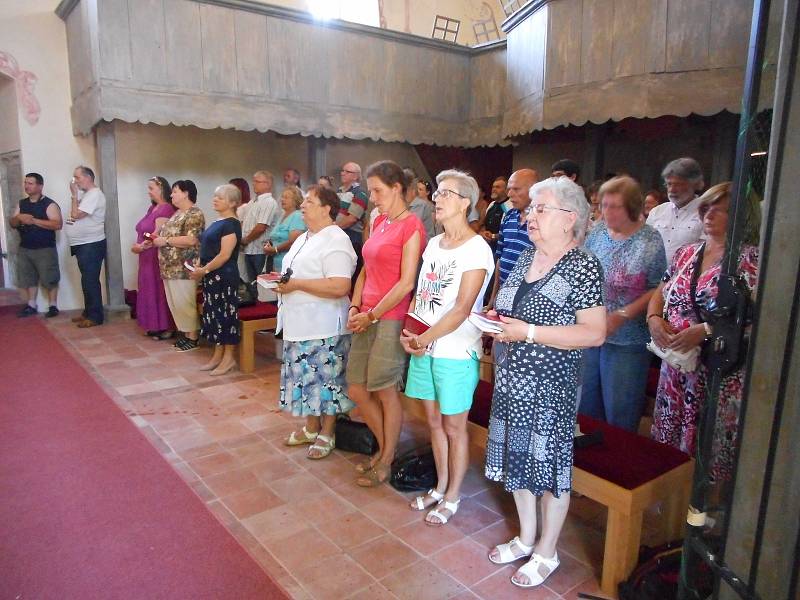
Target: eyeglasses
(540, 208)
(347, 171)
(444, 193)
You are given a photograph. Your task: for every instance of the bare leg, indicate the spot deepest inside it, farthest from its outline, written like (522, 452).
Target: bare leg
(215, 360)
(554, 512)
(28, 295)
(440, 453)
(52, 296)
(455, 429)
(228, 361)
(372, 411)
(526, 510)
(392, 422)
(191, 335)
(326, 426)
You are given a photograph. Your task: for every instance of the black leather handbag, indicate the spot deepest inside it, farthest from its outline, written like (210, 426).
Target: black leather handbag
(353, 436)
(415, 470)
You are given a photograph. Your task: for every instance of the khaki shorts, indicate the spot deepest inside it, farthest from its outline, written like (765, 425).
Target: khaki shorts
(377, 359)
(37, 267)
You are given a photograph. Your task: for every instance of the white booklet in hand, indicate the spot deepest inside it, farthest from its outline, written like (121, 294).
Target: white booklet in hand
(486, 323)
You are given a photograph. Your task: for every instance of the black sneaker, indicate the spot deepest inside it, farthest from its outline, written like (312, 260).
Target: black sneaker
(51, 312)
(186, 345)
(27, 311)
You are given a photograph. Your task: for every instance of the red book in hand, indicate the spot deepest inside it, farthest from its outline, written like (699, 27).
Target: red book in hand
(415, 324)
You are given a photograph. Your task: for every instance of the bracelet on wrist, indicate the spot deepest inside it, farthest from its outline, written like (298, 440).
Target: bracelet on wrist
(653, 315)
(352, 306)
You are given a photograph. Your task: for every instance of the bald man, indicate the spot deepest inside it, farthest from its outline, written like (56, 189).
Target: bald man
(513, 236)
(354, 201)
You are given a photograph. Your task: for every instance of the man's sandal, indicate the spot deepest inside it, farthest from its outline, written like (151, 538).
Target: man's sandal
(321, 447)
(420, 504)
(537, 569)
(442, 518)
(305, 437)
(507, 554)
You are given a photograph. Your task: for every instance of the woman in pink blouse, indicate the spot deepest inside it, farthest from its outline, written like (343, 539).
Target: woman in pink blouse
(380, 300)
(152, 310)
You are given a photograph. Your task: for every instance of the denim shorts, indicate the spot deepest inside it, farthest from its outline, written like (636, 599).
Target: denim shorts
(377, 359)
(449, 381)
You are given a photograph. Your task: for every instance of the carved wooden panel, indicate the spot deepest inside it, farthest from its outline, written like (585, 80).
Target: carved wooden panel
(346, 79)
(115, 40)
(251, 53)
(299, 60)
(79, 46)
(730, 21)
(564, 43)
(488, 81)
(148, 41)
(631, 37)
(184, 48)
(526, 56)
(688, 27)
(218, 36)
(596, 40)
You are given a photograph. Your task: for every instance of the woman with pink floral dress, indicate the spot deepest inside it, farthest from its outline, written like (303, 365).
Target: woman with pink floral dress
(688, 289)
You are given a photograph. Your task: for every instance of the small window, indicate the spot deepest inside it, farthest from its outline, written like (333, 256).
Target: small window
(445, 28)
(510, 6)
(365, 12)
(486, 30)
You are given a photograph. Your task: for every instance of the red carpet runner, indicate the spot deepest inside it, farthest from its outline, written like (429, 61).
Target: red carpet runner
(88, 508)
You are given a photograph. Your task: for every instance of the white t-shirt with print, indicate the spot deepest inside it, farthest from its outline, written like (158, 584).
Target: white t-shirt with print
(437, 291)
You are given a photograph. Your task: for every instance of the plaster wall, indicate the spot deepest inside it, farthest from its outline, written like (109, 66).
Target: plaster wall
(9, 128)
(31, 32)
(212, 157)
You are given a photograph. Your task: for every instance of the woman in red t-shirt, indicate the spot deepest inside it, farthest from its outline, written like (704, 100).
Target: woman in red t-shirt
(381, 298)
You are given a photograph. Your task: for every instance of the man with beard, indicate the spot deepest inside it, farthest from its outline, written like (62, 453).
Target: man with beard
(678, 221)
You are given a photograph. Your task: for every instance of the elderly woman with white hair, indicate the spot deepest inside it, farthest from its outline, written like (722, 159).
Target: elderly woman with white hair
(551, 307)
(443, 370)
(217, 268)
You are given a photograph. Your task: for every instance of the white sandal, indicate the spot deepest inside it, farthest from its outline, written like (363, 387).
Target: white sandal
(507, 554)
(419, 501)
(323, 445)
(307, 437)
(443, 519)
(531, 570)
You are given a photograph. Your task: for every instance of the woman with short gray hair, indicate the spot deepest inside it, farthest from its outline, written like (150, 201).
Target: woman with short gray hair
(550, 307)
(217, 269)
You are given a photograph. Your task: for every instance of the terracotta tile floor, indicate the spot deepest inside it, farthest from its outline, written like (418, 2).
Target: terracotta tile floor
(305, 522)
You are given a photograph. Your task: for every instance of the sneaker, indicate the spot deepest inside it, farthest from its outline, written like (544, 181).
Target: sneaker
(51, 312)
(187, 345)
(27, 311)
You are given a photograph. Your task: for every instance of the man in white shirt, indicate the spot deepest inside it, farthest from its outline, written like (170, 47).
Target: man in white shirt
(678, 221)
(258, 219)
(86, 231)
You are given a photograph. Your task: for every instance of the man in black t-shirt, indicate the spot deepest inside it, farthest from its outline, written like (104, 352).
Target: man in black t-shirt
(37, 218)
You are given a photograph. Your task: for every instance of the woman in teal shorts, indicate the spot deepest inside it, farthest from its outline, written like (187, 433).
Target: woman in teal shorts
(443, 371)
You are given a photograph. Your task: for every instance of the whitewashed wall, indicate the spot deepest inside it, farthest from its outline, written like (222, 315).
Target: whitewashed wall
(32, 33)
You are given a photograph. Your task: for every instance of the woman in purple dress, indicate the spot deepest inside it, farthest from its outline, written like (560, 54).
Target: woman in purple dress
(152, 311)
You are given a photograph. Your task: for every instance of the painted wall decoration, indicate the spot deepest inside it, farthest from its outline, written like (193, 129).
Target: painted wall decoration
(25, 81)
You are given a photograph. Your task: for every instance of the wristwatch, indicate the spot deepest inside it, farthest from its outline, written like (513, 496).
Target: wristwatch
(372, 318)
(531, 334)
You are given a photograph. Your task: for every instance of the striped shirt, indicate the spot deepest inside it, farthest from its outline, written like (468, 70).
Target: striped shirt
(512, 241)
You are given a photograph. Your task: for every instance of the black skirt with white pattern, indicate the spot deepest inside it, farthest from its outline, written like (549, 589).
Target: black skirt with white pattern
(532, 421)
(220, 320)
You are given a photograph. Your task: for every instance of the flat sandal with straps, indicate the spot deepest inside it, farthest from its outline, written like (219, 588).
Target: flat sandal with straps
(533, 570)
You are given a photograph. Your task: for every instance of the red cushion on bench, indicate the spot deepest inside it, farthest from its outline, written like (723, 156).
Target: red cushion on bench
(259, 310)
(624, 458)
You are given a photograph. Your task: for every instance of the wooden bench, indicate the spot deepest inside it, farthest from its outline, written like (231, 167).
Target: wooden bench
(607, 474)
(260, 316)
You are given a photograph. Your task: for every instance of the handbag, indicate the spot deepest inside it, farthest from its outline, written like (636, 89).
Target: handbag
(247, 293)
(685, 362)
(353, 436)
(415, 470)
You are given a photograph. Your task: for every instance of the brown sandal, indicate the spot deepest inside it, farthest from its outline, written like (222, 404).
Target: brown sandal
(375, 476)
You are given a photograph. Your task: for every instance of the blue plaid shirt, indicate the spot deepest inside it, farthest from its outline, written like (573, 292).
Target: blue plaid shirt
(512, 241)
